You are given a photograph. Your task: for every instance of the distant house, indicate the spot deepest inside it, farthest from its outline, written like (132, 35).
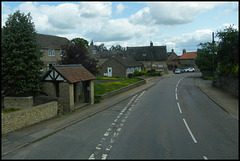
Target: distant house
(151, 56)
(172, 61)
(101, 56)
(51, 46)
(187, 59)
(119, 66)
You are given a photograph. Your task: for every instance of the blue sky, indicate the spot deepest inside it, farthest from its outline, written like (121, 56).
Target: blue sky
(177, 25)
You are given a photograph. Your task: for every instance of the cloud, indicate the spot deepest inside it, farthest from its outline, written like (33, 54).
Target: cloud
(95, 9)
(120, 8)
(188, 41)
(117, 30)
(170, 13)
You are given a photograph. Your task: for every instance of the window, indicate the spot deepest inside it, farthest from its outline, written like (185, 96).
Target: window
(50, 65)
(62, 53)
(51, 52)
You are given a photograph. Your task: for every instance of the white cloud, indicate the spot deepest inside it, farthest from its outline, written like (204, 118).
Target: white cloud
(117, 30)
(95, 9)
(120, 8)
(143, 17)
(170, 13)
(188, 41)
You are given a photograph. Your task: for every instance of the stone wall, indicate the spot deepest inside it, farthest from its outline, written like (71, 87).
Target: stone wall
(229, 84)
(26, 117)
(18, 102)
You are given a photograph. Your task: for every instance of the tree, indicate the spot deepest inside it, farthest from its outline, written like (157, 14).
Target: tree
(101, 47)
(77, 54)
(228, 52)
(81, 42)
(21, 64)
(204, 58)
(116, 48)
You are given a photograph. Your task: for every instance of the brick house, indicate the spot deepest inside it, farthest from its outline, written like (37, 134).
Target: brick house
(69, 82)
(51, 48)
(151, 56)
(119, 66)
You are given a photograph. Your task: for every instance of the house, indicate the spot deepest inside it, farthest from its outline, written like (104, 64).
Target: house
(172, 61)
(51, 48)
(101, 56)
(151, 56)
(119, 66)
(187, 59)
(69, 82)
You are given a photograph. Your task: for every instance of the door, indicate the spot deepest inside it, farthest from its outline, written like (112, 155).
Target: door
(109, 71)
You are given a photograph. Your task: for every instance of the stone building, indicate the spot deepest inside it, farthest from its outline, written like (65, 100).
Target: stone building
(51, 46)
(119, 66)
(153, 57)
(187, 59)
(73, 84)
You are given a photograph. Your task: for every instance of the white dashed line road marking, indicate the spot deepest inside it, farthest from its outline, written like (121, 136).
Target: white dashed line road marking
(194, 140)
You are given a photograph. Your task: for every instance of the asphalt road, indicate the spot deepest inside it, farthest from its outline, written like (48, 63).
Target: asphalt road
(171, 120)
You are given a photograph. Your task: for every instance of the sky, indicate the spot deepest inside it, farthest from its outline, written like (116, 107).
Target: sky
(177, 25)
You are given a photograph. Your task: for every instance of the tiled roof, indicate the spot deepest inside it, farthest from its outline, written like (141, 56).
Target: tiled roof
(146, 53)
(189, 55)
(50, 41)
(127, 61)
(74, 73)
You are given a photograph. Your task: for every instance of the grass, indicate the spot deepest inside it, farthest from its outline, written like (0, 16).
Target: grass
(9, 110)
(102, 88)
(208, 77)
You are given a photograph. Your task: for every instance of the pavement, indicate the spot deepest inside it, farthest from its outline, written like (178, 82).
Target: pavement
(25, 136)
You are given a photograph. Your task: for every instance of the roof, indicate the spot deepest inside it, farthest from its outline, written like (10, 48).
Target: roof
(50, 41)
(147, 53)
(189, 55)
(126, 61)
(72, 73)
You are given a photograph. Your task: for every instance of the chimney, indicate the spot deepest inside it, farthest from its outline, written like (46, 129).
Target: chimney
(91, 43)
(172, 50)
(151, 44)
(184, 51)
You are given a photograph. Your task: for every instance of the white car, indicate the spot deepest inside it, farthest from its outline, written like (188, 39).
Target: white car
(177, 71)
(191, 69)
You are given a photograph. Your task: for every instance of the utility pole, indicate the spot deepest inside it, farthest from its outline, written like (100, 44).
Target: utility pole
(213, 50)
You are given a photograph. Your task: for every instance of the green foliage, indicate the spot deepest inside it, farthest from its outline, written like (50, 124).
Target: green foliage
(116, 48)
(228, 51)
(81, 42)
(140, 73)
(21, 64)
(204, 59)
(77, 54)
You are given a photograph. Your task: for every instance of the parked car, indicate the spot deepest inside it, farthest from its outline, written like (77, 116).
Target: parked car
(191, 69)
(177, 71)
(182, 70)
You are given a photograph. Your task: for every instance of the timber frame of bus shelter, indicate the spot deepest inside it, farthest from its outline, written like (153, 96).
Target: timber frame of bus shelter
(69, 82)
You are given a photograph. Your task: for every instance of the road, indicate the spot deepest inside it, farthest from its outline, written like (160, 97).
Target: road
(171, 120)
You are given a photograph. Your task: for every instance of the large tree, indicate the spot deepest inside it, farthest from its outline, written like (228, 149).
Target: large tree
(21, 64)
(77, 54)
(81, 42)
(205, 59)
(228, 52)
